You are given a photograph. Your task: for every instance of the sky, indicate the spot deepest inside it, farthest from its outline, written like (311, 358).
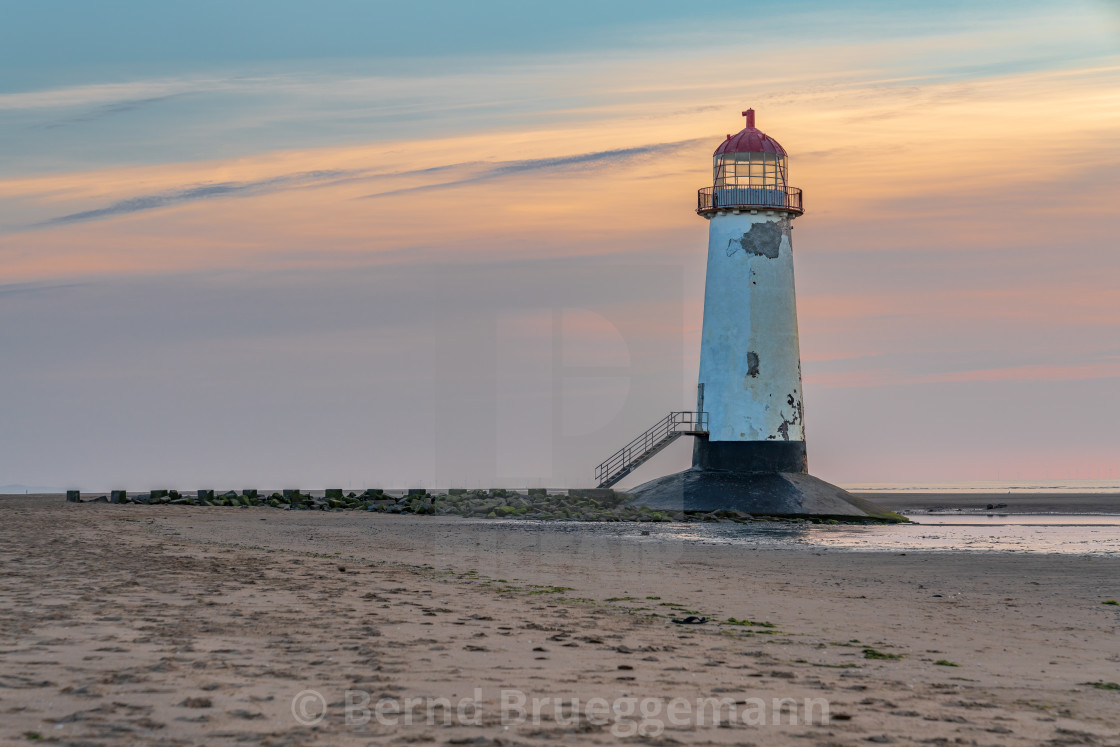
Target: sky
(290, 244)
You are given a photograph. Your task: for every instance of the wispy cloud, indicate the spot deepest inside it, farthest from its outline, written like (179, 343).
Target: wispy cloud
(332, 177)
(202, 192)
(13, 289)
(108, 95)
(580, 162)
(1104, 369)
(1091, 366)
(110, 109)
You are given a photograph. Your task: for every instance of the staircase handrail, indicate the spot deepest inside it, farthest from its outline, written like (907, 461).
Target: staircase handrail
(651, 438)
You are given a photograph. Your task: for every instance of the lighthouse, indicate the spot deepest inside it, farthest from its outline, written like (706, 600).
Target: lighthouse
(749, 423)
(750, 363)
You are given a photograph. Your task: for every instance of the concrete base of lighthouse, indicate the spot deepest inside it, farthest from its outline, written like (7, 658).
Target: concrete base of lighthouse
(755, 477)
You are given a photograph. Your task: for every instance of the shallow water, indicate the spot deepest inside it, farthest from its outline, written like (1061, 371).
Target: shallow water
(1012, 487)
(1053, 533)
(1080, 535)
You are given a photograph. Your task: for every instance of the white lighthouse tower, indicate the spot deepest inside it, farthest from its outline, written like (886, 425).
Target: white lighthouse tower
(749, 424)
(750, 364)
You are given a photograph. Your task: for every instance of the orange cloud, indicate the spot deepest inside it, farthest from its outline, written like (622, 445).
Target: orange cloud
(859, 146)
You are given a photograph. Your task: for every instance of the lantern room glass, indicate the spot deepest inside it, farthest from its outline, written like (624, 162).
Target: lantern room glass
(749, 180)
(750, 170)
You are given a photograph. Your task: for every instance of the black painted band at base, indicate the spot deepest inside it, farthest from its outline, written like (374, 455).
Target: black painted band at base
(750, 456)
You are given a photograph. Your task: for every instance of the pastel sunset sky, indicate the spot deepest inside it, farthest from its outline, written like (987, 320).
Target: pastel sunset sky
(291, 244)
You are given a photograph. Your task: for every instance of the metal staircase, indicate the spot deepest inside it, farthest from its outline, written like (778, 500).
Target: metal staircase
(644, 447)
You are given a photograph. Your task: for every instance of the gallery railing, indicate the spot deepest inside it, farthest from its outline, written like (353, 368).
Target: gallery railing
(712, 199)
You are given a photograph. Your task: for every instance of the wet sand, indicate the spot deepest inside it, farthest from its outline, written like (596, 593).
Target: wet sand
(185, 625)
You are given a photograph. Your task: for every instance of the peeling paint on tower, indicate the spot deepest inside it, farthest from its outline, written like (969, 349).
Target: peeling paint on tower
(761, 240)
(752, 364)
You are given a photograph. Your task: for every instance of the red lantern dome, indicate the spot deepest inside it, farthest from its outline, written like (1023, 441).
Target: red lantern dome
(750, 140)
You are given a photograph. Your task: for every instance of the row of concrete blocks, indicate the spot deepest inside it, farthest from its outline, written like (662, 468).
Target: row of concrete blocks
(119, 496)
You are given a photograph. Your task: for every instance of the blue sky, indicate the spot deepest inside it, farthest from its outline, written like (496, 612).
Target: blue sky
(215, 79)
(53, 42)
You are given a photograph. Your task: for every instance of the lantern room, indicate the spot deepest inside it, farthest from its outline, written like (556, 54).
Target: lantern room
(749, 170)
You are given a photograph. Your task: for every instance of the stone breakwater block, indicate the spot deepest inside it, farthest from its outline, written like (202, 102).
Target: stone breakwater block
(289, 494)
(157, 494)
(457, 491)
(598, 494)
(205, 495)
(251, 493)
(416, 491)
(538, 492)
(335, 493)
(73, 496)
(118, 496)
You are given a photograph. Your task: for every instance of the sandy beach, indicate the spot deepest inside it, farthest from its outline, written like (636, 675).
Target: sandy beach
(186, 625)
